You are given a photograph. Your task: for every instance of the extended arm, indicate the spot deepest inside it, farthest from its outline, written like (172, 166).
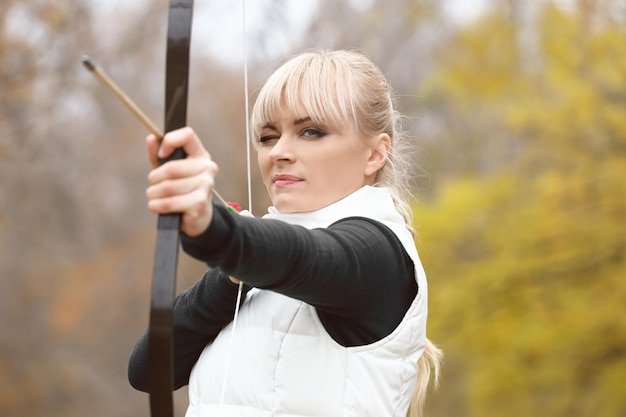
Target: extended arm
(355, 272)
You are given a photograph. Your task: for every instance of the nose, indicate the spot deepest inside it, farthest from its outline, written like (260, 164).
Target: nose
(282, 149)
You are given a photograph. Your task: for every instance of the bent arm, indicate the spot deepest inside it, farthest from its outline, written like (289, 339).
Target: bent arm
(199, 314)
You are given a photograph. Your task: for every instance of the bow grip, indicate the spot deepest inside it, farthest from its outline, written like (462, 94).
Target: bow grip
(178, 153)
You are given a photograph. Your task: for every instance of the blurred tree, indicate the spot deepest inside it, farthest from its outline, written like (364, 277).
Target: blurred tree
(398, 35)
(68, 172)
(525, 240)
(522, 124)
(76, 241)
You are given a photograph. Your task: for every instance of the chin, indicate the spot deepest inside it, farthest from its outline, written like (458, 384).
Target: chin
(290, 207)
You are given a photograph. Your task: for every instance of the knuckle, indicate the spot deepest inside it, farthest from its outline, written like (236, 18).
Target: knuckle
(187, 131)
(172, 169)
(168, 187)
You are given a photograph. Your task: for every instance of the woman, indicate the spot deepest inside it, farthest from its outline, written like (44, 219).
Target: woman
(335, 324)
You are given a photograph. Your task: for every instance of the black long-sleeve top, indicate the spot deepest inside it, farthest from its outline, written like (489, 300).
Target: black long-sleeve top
(356, 274)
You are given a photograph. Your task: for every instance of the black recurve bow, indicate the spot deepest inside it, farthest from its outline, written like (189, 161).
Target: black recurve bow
(160, 333)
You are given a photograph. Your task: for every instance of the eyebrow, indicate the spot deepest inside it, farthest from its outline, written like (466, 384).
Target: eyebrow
(296, 122)
(301, 120)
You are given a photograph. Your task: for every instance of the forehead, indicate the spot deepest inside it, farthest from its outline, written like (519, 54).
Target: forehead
(293, 111)
(287, 115)
(300, 89)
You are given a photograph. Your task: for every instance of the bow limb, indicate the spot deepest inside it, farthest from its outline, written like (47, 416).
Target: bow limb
(160, 333)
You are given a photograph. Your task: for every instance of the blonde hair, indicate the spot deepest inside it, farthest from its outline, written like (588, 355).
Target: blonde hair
(428, 364)
(361, 99)
(340, 89)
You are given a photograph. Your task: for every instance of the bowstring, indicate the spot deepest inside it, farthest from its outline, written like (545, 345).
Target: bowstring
(246, 103)
(230, 343)
(249, 180)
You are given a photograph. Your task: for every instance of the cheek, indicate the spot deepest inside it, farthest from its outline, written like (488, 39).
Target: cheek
(262, 161)
(343, 160)
(264, 166)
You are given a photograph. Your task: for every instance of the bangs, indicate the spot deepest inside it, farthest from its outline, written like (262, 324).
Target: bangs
(313, 83)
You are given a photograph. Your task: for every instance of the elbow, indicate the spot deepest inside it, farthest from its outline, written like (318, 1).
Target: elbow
(138, 365)
(137, 380)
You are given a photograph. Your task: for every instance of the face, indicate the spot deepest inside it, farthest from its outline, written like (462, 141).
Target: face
(306, 166)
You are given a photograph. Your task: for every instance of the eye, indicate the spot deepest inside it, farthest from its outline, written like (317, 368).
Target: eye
(313, 132)
(268, 138)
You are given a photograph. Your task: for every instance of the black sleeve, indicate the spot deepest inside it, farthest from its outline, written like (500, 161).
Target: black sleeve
(355, 272)
(199, 315)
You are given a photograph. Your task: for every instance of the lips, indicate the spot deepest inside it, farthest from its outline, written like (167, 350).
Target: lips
(283, 180)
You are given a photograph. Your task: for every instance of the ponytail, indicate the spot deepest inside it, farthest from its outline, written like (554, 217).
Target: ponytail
(428, 364)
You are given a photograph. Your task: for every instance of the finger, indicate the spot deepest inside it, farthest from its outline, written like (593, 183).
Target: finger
(179, 186)
(192, 204)
(182, 168)
(246, 213)
(152, 145)
(196, 210)
(203, 180)
(184, 138)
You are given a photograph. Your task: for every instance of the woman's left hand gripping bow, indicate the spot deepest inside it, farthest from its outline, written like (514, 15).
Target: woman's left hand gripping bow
(182, 185)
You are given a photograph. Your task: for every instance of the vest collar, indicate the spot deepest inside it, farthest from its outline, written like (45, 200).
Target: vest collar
(370, 202)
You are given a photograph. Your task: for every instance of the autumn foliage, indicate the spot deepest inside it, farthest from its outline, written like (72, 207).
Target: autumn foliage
(525, 244)
(519, 116)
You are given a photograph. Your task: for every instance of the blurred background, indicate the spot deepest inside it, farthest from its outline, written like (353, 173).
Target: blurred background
(518, 114)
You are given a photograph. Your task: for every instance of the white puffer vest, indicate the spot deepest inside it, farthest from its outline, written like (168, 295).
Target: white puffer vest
(283, 362)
